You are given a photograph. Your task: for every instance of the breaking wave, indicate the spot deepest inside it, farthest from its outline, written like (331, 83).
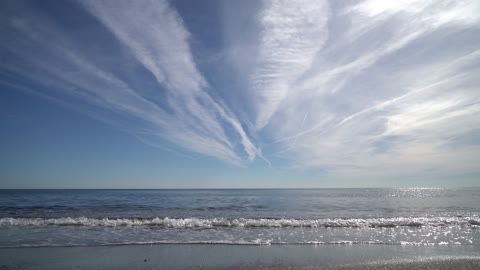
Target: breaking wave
(244, 222)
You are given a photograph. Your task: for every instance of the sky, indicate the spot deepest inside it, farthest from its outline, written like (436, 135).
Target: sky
(239, 94)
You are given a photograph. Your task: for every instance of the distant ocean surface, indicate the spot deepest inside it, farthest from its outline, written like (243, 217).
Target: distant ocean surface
(410, 216)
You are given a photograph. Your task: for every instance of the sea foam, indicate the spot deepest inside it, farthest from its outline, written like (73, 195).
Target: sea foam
(244, 222)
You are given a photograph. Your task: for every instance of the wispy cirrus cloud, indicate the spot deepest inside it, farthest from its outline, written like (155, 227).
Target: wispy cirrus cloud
(383, 89)
(158, 40)
(360, 88)
(291, 34)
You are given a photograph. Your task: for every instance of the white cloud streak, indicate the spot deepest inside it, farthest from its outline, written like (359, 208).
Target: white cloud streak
(292, 32)
(157, 38)
(372, 89)
(372, 99)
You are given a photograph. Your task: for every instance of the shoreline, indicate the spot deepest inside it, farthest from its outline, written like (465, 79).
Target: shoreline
(344, 243)
(205, 256)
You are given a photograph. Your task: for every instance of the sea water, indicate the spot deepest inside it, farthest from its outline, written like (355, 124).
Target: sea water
(405, 216)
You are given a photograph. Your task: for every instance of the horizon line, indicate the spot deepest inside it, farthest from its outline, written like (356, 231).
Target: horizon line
(252, 188)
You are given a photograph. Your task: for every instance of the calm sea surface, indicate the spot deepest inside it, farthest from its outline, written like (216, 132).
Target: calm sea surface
(412, 216)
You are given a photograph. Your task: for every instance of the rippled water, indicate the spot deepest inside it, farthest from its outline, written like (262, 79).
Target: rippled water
(418, 216)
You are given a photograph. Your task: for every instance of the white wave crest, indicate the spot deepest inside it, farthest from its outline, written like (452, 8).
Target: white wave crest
(244, 222)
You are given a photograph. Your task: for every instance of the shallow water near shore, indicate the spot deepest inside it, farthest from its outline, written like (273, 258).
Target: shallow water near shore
(410, 216)
(240, 229)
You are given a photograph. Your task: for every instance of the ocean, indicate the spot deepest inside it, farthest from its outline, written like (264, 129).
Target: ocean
(376, 216)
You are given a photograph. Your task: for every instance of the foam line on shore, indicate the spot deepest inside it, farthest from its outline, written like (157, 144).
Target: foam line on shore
(244, 222)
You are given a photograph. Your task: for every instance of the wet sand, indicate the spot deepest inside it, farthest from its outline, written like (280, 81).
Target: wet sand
(198, 256)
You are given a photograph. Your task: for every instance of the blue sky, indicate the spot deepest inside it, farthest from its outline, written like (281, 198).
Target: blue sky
(235, 94)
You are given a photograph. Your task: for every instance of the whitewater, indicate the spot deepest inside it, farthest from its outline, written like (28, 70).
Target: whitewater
(438, 217)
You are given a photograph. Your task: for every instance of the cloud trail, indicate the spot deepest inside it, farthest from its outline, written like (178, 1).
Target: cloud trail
(292, 33)
(157, 38)
(373, 89)
(374, 96)
(164, 50)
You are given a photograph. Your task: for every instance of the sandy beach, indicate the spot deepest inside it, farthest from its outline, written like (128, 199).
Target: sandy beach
(233, 257)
